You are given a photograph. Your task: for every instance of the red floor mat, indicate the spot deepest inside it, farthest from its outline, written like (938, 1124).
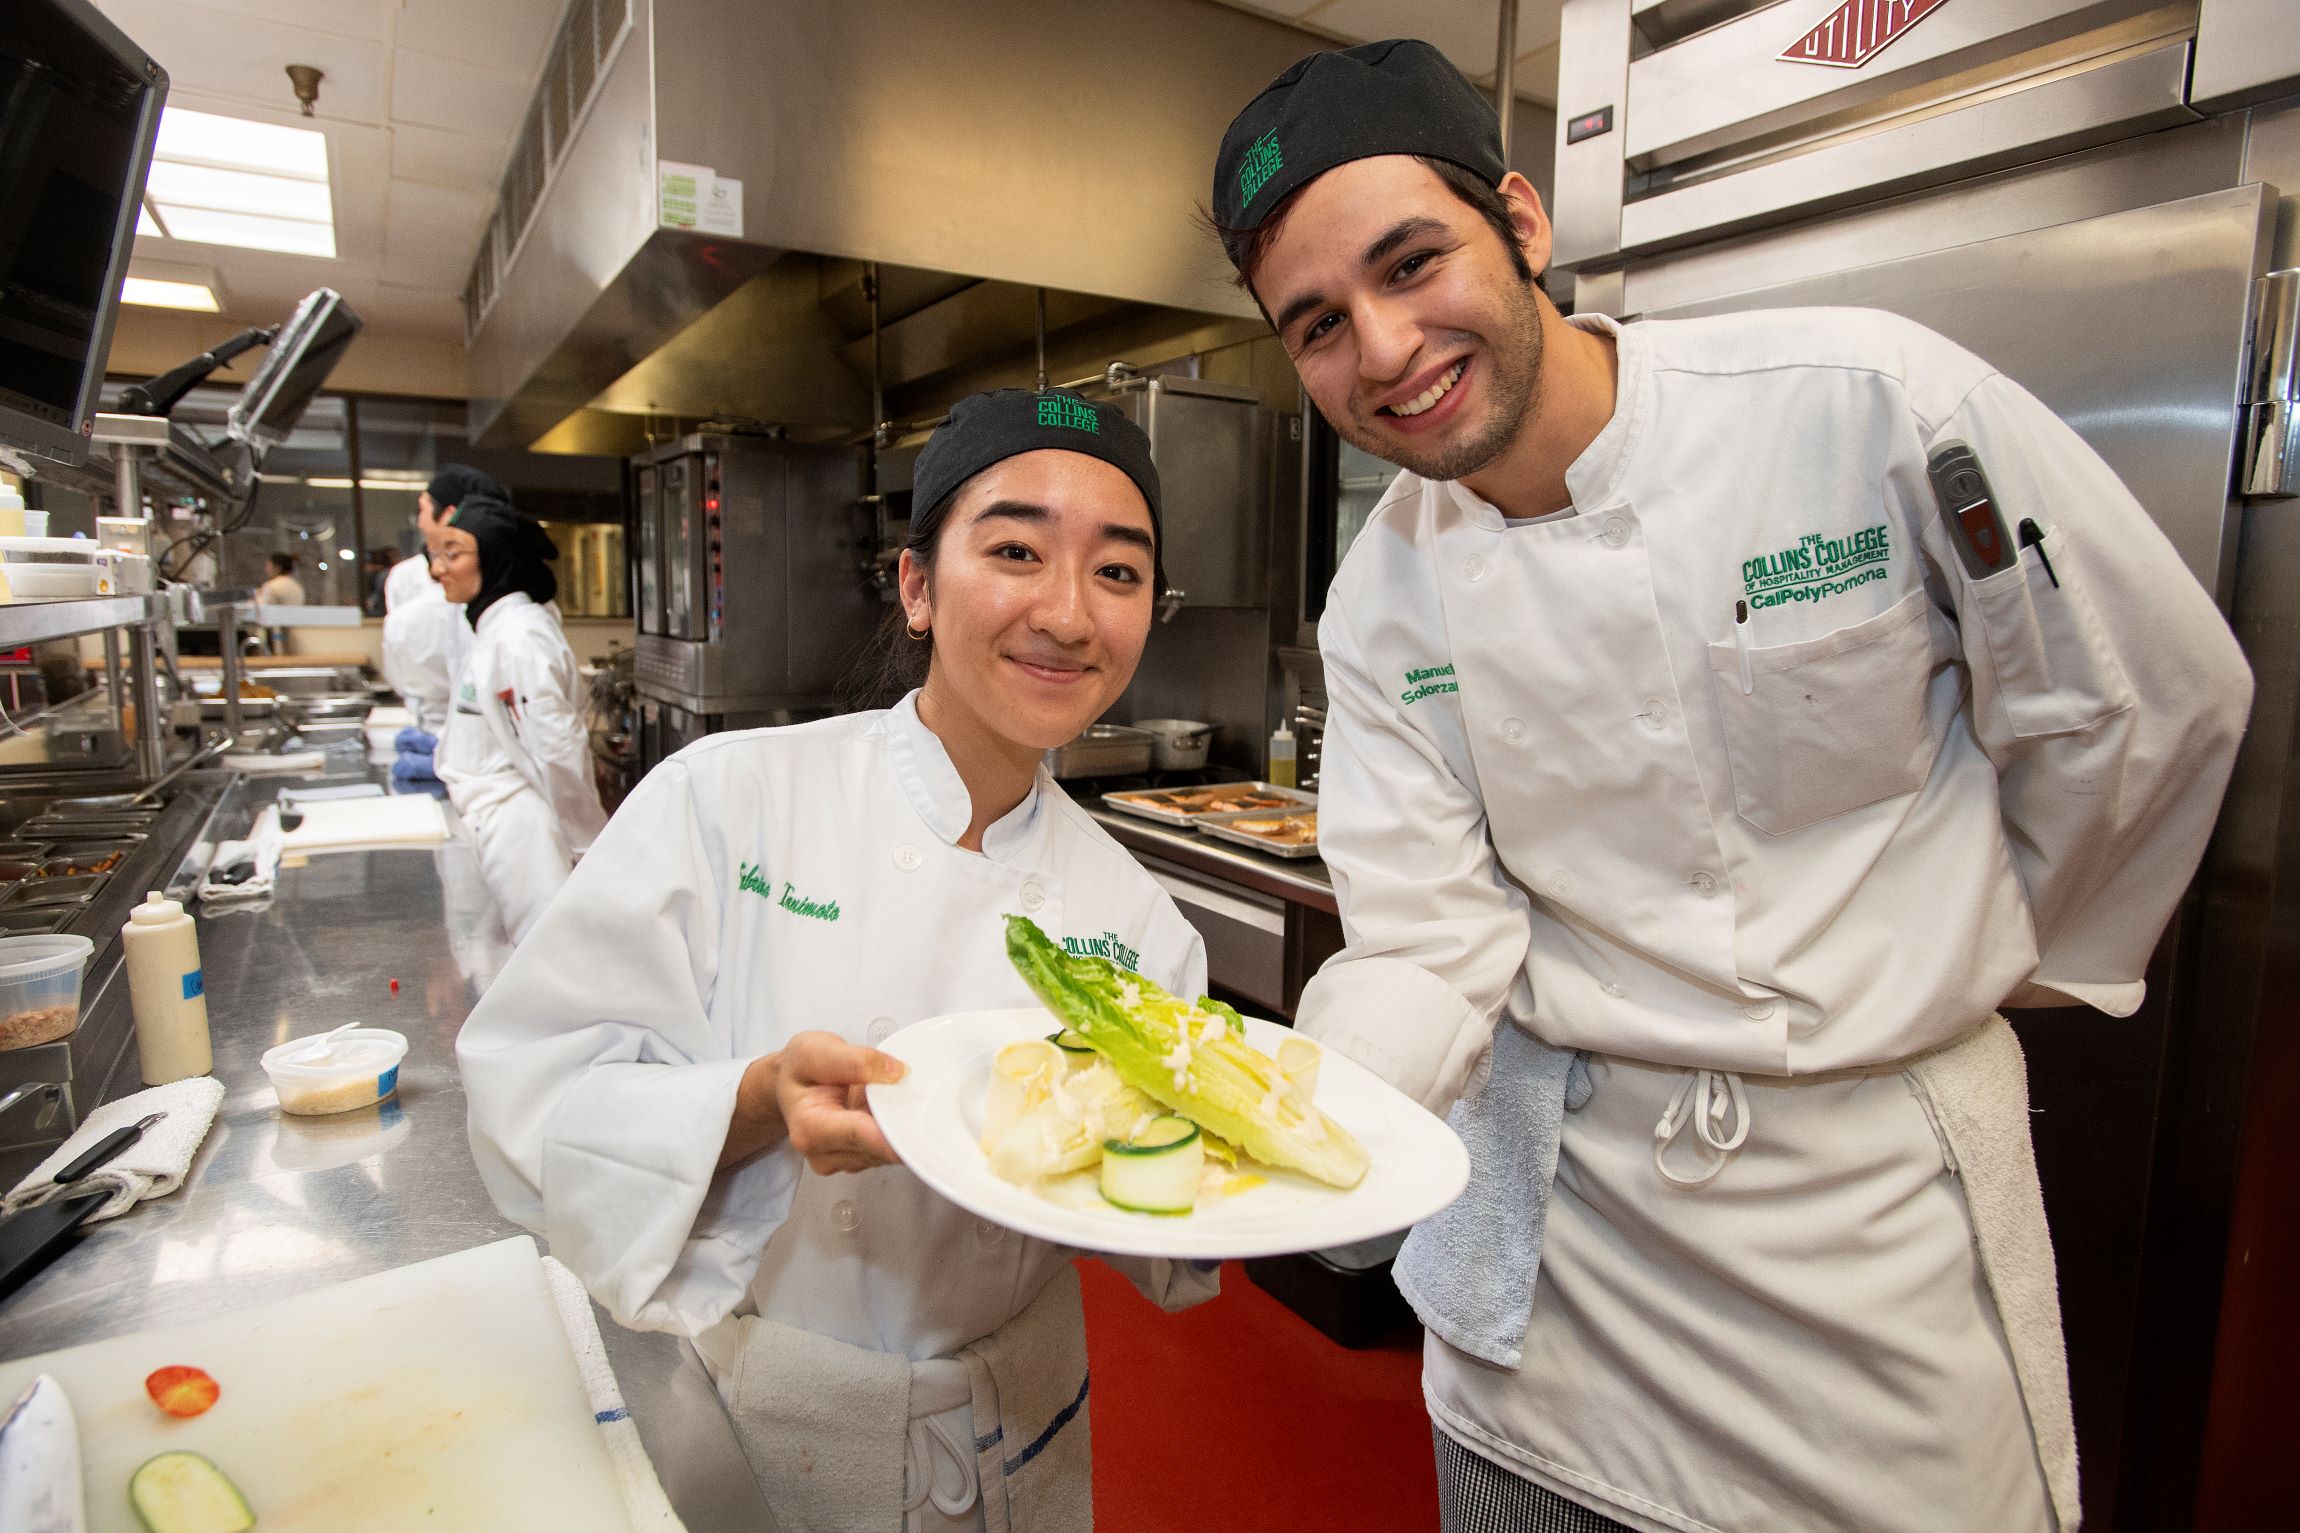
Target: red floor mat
(1237, 1416)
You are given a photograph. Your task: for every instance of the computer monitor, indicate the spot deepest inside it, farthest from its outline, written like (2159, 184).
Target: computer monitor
(79, 109)
(302, 354)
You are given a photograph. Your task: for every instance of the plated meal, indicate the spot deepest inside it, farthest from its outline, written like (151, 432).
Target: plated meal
(1163, 1101)
(1117, 1117)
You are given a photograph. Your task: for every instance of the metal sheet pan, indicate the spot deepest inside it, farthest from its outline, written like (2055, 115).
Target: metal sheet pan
(1149, 802)
(1220, 827)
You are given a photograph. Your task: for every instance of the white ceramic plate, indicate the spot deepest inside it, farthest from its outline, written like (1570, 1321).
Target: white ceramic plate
(933, 1118)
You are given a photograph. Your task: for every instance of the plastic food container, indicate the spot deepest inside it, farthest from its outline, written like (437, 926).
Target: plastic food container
(321, 1074)
(40, 987)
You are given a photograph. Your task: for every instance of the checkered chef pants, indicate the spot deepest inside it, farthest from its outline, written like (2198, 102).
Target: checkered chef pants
(1475, 1495)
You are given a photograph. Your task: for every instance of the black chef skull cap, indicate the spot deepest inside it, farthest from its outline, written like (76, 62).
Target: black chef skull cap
(1396, 97)
(989, 428)
(456, 482)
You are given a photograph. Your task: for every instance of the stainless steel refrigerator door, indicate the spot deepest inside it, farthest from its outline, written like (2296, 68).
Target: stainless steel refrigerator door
(2130, 326)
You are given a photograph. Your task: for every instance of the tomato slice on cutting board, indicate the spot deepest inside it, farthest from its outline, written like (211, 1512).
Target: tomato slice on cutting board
(181, 1391)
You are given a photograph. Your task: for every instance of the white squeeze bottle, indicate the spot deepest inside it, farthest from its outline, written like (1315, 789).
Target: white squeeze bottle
(167, 991)
(1282, 757)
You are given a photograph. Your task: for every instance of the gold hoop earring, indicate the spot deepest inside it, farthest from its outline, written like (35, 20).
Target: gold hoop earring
(917, 635)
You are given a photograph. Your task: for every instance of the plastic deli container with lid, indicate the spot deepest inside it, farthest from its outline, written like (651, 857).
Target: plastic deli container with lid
(40, 987)
(336, 1072)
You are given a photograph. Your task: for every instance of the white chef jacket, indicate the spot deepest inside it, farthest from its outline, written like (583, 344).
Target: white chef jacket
(757, 885)
(1548, 791)
(424, 641)
(516, 757)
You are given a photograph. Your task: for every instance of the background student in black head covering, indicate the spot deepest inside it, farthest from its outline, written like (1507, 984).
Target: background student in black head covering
(516, 755)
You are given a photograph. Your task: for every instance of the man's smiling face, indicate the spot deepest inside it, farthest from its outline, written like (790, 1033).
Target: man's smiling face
(1405, 316)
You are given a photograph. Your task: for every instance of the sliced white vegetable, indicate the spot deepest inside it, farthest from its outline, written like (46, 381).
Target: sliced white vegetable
(1022, 1075)
(1298, 1061)
(1157, 1171)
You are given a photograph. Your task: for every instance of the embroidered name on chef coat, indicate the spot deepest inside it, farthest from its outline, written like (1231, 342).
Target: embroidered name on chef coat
(1105, 946)
(1817, 567)
(1428, 681)
(750, 878)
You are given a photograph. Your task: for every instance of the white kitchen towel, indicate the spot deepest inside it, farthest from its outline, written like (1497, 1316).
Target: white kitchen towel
(264, 764)
(643, 1499)
(262, 847)
(1977, 1092)
(152, 1167)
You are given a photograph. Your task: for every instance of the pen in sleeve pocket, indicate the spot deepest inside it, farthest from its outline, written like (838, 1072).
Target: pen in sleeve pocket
(2032, 536)
(1741, 644)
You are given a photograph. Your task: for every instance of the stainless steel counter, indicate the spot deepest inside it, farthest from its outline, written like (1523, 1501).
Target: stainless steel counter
(278, 1205)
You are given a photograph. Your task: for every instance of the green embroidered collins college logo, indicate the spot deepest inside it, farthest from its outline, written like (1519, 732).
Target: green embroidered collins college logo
(1061, 410)
(1815, 568)
(1263, 161)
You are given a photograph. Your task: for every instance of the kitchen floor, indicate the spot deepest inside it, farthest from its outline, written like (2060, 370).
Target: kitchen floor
(1239, 1415)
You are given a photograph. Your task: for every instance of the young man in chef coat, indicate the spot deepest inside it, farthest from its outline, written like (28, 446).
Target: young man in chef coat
(1699, 781)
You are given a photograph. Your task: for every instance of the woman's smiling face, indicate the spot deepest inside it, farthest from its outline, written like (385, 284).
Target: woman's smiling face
(455, 563)
(1039, 597)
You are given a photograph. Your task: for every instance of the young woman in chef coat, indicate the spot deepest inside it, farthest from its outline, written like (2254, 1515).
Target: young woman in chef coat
(515, 755)
(668, 1075)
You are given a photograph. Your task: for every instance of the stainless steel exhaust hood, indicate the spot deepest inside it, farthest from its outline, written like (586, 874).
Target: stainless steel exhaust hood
(976, 151)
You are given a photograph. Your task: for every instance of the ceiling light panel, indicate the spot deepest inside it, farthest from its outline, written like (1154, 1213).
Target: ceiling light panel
(205, 226)
(227, 181)
(154, 293)
(233, 143)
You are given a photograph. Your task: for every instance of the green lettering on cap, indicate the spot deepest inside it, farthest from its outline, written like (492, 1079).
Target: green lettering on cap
(1263, 161)
(1061, 410)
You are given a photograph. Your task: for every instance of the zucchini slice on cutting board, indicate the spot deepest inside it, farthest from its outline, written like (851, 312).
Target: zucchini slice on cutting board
(185, 1493)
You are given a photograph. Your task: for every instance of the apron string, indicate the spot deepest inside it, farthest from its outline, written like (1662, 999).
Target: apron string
(1709, 1100)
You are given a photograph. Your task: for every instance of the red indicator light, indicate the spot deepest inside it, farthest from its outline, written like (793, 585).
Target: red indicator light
(712, 504)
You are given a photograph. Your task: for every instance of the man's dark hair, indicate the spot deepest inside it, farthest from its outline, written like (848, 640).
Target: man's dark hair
(284, 563)
(1246, 247)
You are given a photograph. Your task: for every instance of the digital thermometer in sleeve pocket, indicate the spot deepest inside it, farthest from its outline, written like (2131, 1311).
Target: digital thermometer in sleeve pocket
(1969, 508)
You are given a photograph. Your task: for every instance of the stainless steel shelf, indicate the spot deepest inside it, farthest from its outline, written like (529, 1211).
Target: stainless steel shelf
(24, 623)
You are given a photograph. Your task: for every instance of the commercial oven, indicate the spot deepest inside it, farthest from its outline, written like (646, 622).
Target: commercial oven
(2084, 192)
(752, 588)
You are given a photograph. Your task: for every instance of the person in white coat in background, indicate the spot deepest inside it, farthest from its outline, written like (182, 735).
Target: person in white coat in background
(1726, 717)
(424, 635)
(515, 755)
(667, 1077)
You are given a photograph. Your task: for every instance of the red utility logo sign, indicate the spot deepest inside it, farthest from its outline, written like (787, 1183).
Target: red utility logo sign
(1857, 32)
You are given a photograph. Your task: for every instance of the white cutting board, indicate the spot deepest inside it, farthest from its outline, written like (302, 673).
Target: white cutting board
(400, 819)
(441, 1397)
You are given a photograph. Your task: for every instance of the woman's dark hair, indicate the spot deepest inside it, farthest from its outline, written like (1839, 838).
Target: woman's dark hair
(1246, 247)
(282, 563)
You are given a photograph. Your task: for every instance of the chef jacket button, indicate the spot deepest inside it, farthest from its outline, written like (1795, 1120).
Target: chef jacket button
(1615, 532)
(1762, 1011)
(907, 858)
(986, 1232)
(1559, 884)
(1612, 989)
(1704, 883)
(881, 1029)
(1513, 730)
(1032, 896)
(1654, 713)
(846, 1216)
(1473, 568)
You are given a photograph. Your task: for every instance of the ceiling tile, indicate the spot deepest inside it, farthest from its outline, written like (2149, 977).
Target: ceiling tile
(432, 91)
(367, 19)
(244, 59)
(439, 158)
(430, 233)
(506, 36)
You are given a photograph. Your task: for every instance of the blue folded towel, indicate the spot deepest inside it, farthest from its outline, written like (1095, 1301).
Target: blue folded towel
(1468, 1270)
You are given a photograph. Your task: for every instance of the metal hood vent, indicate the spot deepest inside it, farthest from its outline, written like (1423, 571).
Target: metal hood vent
(975, 152)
